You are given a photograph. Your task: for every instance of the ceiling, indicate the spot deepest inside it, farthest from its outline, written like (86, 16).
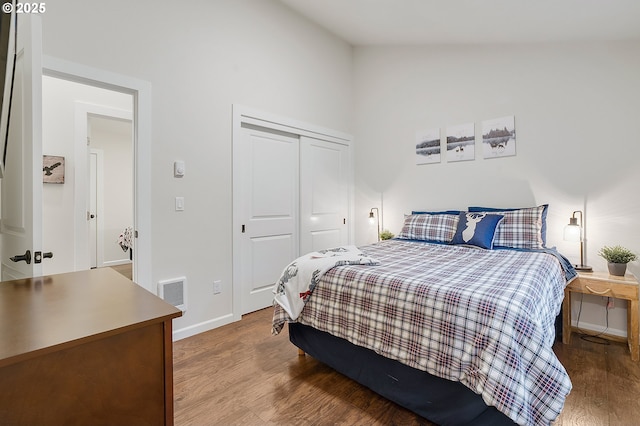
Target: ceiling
(420, 22)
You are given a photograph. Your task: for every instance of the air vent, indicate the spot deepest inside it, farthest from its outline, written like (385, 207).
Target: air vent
(173, 291)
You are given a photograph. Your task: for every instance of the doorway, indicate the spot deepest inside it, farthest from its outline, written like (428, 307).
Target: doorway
(27, 217)
(79, 117)
(111, 195)
(140, 92)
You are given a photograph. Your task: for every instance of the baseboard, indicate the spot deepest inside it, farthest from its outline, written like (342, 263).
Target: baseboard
(192, 330)
(599, 328)
(116, 262)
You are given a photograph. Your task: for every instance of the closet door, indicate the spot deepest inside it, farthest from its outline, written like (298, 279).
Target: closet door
(268, 162)
(324, 194)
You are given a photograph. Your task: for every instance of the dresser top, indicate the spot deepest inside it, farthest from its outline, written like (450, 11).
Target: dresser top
(54, 312)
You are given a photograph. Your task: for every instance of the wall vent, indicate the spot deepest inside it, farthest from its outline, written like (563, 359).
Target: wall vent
(174, 292)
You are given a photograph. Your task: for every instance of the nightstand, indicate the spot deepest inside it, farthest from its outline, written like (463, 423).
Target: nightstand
(603, 284)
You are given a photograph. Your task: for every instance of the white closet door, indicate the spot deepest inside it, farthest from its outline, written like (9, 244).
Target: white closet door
(324, 194)
(269, 237)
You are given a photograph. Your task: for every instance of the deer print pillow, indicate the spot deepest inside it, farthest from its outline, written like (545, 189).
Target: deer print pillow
(477, 229)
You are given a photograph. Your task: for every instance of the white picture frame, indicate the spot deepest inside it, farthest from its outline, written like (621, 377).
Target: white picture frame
(428, 147)
(499, 137)
(461, 142)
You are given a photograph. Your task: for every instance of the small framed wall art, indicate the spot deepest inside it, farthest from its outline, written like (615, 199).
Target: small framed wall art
(461, 142)
(499, 137)
(52, 169)
(428, 146)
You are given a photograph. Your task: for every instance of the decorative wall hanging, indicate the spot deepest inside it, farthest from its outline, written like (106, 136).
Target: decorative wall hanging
(428, 146)
(52, 169)
(499, 137)
(461, 141)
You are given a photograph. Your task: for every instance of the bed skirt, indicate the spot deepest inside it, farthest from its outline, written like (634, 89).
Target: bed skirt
(438, 400)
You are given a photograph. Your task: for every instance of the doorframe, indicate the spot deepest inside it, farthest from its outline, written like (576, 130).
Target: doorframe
(245, 115)
(141, 91)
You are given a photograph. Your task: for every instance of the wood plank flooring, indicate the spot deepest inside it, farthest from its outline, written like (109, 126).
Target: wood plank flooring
(125, 269)
(240, 374)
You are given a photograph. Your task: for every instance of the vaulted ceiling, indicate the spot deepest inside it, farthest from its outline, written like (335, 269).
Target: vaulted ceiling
(419, 22)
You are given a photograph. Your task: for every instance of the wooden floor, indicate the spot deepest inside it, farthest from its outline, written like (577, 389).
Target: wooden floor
(240, 374)
(125, 269)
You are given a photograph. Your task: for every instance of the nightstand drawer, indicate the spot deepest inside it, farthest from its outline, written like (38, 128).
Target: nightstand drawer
(609, 287)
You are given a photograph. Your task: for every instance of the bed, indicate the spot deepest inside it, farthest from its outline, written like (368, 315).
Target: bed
(457, 332)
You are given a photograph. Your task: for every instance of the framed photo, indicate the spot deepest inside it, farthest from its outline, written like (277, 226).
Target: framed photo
(461, 142)
(52, 169)
(499, 137)
(428, 146)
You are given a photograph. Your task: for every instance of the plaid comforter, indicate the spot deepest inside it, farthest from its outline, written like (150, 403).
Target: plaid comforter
(484, 318)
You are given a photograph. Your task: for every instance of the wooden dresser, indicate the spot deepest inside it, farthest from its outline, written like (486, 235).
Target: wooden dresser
(82, 348)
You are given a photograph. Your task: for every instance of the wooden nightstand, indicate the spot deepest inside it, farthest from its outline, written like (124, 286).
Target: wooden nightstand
(603, 284)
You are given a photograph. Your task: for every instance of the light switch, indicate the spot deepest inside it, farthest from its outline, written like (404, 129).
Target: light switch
(178, 169)
(179, 204)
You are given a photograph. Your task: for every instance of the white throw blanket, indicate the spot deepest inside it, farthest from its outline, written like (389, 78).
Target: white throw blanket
(300, 277)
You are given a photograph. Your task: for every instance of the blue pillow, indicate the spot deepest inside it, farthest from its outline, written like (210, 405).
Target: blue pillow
(477, 229)
(455, 212)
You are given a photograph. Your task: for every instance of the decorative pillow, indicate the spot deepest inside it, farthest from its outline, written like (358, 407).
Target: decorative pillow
(521, 227)
(438, 228)
(477, 229)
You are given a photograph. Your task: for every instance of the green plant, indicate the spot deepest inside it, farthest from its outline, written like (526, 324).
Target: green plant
(617, 254)
(386, 235)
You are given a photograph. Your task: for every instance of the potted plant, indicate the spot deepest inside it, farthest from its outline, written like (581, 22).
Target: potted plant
(618, 257)
(386, 235)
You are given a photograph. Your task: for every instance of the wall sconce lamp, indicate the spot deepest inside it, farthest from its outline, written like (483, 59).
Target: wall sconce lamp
(376, 218)
(573, 232)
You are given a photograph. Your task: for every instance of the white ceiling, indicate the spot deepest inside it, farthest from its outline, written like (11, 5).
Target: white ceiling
(419, 22)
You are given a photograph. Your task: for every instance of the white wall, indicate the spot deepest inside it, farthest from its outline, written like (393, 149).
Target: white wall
(59, 98)
(575, 105)
(578, 148)
(202, 56)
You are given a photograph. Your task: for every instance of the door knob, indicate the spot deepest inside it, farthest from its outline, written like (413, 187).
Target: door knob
(38, 256)
(20, 257)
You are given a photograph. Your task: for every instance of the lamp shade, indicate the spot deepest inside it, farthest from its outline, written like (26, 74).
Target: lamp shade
(572, 233)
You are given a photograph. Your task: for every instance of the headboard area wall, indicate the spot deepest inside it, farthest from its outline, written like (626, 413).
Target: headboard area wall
(575, 108)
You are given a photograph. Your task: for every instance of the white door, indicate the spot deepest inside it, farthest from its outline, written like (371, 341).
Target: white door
(267, 164)
(324, 194)
(22, 182)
